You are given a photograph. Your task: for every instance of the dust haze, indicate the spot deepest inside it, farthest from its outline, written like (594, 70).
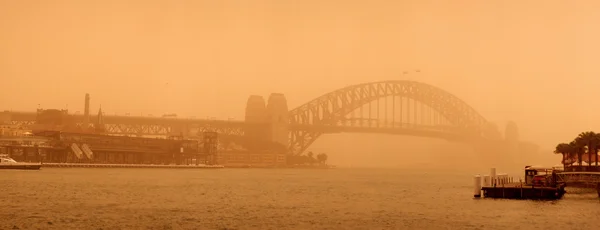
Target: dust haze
(531, 62)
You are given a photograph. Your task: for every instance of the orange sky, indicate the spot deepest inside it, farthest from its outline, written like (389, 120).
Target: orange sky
(533, 62)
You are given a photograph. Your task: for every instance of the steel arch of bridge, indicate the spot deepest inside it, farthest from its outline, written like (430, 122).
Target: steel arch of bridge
(332, 108)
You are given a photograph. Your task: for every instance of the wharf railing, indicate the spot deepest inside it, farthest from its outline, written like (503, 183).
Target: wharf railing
(583, 178)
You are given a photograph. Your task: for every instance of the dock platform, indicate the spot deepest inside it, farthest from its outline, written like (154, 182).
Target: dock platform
(522, 191)
(87, 165)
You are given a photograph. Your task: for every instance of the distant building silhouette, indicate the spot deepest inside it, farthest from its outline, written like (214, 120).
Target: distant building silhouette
(100, 122)
(86, 111)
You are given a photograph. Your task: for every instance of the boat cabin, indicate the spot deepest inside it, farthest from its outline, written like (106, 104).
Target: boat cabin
(537, 175)
(5, 159)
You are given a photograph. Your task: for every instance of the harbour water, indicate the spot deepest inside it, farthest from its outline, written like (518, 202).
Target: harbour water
(92, 198)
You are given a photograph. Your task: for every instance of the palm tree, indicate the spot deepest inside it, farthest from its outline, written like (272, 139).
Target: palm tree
(564, 149)
(590, 140)
(578, 148)
(596, 148)
(573, 151)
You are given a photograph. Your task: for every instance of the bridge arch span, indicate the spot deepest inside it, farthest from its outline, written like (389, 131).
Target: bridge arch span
(331, 108)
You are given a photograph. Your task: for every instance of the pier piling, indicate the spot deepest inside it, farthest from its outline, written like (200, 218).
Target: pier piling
(477, 188)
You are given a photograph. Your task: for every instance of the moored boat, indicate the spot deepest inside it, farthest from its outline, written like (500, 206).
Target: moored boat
(540, 183)
(8, 163)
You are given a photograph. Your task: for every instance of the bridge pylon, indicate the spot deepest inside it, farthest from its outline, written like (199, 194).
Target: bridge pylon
(269, 121)
(256, 112)
(278, 119)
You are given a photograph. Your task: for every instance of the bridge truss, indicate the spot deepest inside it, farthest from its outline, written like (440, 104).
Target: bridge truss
(398, 107)
(149, 126)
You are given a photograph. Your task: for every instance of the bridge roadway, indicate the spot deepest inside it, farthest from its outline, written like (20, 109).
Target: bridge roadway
(137, 125)
(30, 117)
(409, 130)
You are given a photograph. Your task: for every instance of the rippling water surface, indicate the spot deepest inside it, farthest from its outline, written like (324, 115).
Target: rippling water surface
(271, 199)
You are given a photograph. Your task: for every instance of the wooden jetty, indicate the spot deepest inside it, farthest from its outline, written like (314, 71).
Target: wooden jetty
(522, 191)
(85, 165)
(540, 183)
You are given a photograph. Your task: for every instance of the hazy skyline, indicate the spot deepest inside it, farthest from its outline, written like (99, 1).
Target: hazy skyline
(533, 62)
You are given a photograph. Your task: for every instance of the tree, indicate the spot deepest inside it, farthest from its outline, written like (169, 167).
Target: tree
(564, 149)
(578, 149)
(596, 148)
(311, 158)
(322, 158)
(590, 140)
(573, 152)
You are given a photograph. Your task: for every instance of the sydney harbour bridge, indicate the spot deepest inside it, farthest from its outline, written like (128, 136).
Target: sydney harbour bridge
(386, 107)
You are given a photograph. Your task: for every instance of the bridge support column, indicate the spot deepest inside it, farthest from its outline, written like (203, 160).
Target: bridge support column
(256, 113)
(277, 111)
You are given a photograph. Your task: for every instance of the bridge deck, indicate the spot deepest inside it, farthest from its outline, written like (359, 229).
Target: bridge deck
(139, 120)
(410, 131)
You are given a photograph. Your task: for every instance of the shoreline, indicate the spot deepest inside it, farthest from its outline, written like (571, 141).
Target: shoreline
(284, 167)
(89, 165)
(92, 165)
